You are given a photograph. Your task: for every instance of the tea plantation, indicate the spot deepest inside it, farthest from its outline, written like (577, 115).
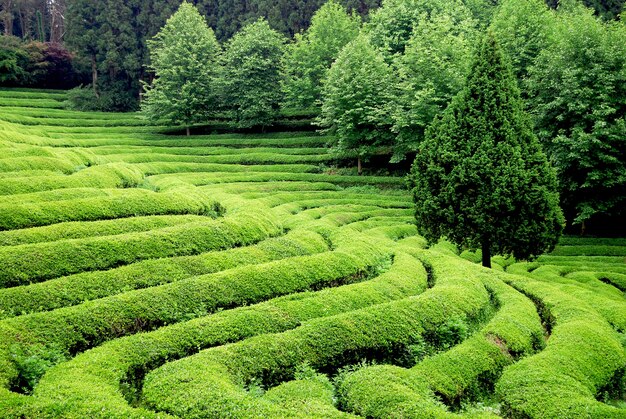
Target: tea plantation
(145, 275)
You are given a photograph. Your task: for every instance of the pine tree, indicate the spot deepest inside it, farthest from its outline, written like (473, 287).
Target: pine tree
(480, 178)
(184, 58)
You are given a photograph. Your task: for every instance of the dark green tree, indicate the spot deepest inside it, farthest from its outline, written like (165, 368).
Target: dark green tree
(480, 178)
(251, 77)
(356, 99)
(578, 97)
(184, 57)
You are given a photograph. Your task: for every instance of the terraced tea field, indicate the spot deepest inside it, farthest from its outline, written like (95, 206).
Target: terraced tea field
(145, 275)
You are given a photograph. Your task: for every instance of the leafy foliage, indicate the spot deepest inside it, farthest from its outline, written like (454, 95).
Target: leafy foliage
(578, 96)
(356, 98)
(432, 70)
(308, 59)
(251, 76)
(480, 178)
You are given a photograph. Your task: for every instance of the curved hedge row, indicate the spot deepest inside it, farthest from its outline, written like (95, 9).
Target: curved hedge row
(582, 356)
(131, 202)
(76, 289)
(73, 329)
(209, 384)
(104, 176)
(89, 385)
(93, 253)
(248, 158)
(464, 372)
(82, 229)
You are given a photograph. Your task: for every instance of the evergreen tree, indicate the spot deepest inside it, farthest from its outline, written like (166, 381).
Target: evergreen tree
(480, 178)
(252, 76)
(184, 57)
(308, 59)
(356, 101)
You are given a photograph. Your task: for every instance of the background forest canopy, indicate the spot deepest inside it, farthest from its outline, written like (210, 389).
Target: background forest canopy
(108, 39)
(375, 73)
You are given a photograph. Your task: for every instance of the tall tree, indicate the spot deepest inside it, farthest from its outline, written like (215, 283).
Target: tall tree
(578, 96)
(252, 76)
(522, 28)
(184, 57)
(480, 178)
(308, 59)
(431, 71)
(356, 101)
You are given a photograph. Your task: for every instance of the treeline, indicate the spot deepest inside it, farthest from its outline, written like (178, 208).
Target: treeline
(378, 86)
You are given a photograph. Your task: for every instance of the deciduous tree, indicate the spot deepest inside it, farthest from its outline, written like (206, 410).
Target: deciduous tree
(308, 59)
(252, 76)
(184, 57)
(357, 95)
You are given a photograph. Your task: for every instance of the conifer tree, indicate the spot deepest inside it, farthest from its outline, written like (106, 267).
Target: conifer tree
(184, 57)
(480, 178)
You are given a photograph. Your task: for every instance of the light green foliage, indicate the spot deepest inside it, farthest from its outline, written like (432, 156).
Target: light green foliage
(308, 59)
(431, 71)
(522, 29)
(184, 58)
(391, 26)
(480, 178)
(356, 100)
(577, 94)
(251, 75)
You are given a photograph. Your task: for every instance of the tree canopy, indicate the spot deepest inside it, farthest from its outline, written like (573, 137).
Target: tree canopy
(308, 59)
(578, 97)
(251, 77)
(480, 178)
(184, 57)
(357, 96)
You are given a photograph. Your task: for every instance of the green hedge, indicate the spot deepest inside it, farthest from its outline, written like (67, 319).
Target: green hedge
(89, 385)
(105, 176)
(126, 203)
(80, 327)
(582, 356)
(209, 384)
(82, 229)
(55, 259)
(76, 289)
(182, 171)
(247, 158)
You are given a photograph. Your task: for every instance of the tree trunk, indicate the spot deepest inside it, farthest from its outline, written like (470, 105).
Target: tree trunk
(583, 227)
(94, 76)
(359, 166)
(188, 132)
(486, 248)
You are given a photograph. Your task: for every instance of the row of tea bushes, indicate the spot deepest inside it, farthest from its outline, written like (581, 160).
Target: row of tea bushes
(86, 286)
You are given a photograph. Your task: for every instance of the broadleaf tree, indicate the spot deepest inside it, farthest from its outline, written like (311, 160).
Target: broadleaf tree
(309, 58)
(577, 93)
(356, 100)
(431, 71)
(480, 178)
(251, 75)
(184, 57)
